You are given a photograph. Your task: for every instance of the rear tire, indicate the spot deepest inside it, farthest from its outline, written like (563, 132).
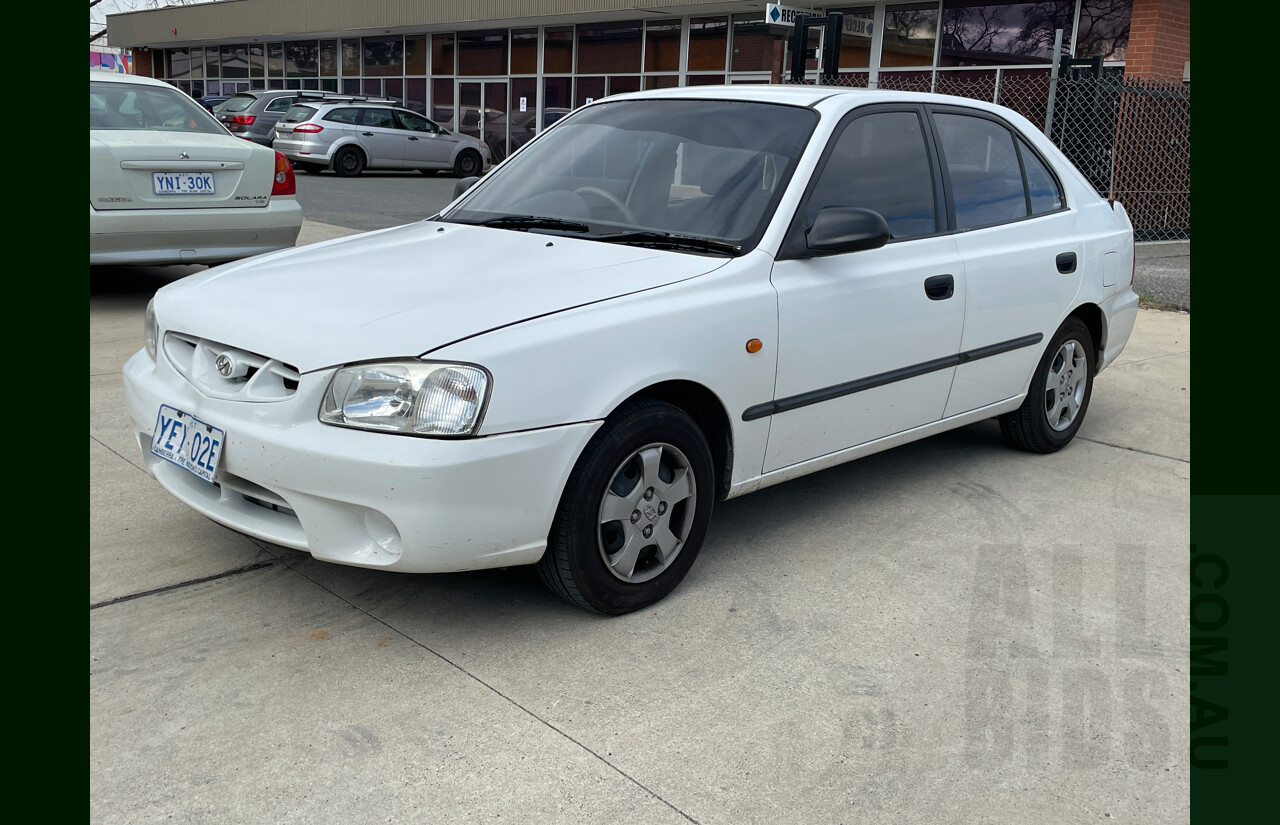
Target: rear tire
(1056, 403)
(467, 164)
(349, 162)
(310, 168)
(634, 511)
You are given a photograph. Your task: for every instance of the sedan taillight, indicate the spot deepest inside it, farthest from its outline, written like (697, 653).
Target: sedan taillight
(284, 182)
(309, 128)
(244, 120)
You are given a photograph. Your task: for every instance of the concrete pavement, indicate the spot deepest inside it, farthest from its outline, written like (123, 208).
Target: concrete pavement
(950, 631)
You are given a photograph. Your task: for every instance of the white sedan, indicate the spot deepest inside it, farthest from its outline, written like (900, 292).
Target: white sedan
(169, 184)
(673, 297)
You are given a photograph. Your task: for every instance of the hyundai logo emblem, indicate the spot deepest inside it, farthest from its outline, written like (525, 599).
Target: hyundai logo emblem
(224, 366)
(184, 156)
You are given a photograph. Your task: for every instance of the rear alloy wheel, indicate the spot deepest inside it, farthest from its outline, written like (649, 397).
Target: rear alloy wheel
(348, 163)
(1058, 399)
(634, 511)
(467, 164)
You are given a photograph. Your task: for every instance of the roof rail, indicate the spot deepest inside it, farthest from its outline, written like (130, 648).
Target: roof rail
(334, 97)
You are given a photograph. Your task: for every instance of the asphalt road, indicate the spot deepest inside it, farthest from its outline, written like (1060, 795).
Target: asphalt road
(373, 200)
(951, 631)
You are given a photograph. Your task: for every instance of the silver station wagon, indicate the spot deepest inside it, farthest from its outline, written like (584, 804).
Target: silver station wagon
(354, 135)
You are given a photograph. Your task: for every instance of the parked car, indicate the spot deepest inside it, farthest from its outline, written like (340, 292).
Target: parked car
(353, 135)
(671, 298)
(168, 184)
(253, 115)
(211, 103)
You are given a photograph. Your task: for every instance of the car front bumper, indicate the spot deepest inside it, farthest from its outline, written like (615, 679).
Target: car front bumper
(192, 236)
(376, 500)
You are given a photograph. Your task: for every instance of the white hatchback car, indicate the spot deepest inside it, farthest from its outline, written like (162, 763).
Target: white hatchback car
(673, 297)
(169, 184)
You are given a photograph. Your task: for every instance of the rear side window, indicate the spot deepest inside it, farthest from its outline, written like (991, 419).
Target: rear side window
(298, 114)
(379, 117)
(880, 162)
(347, 115)
(986, 177)
(280, 104)
(1042, 186)
(237, 103)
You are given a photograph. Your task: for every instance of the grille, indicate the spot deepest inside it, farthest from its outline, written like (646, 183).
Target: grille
(252, 377)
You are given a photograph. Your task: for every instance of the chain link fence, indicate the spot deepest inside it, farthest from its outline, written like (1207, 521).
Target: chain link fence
(1131, 137)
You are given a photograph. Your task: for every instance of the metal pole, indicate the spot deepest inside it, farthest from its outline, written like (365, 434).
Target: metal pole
(1053, 82)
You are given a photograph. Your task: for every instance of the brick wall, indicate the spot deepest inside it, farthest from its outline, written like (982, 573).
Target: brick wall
(1159, 39)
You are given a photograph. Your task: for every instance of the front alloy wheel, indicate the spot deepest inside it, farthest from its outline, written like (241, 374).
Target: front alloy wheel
(634, 510)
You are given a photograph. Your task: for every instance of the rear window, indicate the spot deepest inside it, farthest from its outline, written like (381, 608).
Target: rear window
(125, 106)
(237, 103)
(299, 113)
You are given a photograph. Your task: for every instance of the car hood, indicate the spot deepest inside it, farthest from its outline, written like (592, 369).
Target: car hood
(406, 291)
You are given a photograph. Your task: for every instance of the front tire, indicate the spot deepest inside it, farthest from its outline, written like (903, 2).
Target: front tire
(467, 164)
(1055, 406)
(348, 162)
(634, 511)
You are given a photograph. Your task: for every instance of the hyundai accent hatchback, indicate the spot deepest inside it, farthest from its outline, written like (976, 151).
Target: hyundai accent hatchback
(671, 298)
(168, 184)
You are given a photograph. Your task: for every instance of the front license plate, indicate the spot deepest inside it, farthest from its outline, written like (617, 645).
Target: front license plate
(183, 183)
(187, 441)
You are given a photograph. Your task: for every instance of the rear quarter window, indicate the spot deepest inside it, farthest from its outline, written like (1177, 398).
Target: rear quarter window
(347, 115)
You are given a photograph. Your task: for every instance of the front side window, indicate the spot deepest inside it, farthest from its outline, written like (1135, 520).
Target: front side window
(880, 161)
(415, 123)
(986, 177)
(645, 170)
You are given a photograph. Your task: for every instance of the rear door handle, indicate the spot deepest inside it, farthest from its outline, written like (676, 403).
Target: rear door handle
(411, 137)
(939, 287)
(367, 134)
(1067, 263)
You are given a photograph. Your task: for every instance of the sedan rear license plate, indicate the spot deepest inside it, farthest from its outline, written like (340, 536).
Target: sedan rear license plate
(183, 183)
(185, 440)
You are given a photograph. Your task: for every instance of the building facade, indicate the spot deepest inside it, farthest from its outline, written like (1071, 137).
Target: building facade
(502, 69)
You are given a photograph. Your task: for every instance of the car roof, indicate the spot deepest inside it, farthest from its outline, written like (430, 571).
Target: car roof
(108, 76)
(798, 95)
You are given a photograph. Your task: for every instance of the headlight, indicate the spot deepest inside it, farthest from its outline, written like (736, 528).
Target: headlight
(412, 397)
(150, 329)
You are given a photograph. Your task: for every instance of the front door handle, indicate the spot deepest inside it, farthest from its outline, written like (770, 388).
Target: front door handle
(411, 137)
(939, 287)
(1067, 263)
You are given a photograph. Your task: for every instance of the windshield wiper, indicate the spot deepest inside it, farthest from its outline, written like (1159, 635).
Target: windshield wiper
(535, 222)
(666, 240)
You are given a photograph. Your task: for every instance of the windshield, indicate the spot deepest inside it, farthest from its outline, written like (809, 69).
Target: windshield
(150, 108)
(633, 169)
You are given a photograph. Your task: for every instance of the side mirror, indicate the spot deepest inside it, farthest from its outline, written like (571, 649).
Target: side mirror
(839, 229)
(464, 184)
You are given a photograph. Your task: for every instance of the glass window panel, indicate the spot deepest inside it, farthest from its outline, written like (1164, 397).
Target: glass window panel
(197, 62)
(415, 94)
(328, 58)
(302, 58)
(179, 63)
(609, 48)
(524, 51)
(624, 83)
(350, 86)
(383, 56)
(587, 89)
(752, 44)
(909, 34)
(558, 51)
(1104, 29)
(415, 55)
(662, 81)
(975, 33)
(393, 87)
(442, 103)
(522, 118)
(442, 50)
(557, 92)
(257, 60)
(1046, 194)
(708, 39)
(372, 87)
(275, 61)
(986, 179)
(235, 61)
(879, 162)
(275, 83)
(705, 79)
(662, 46)
(482, 53)
(855, 39)
(351, 58)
